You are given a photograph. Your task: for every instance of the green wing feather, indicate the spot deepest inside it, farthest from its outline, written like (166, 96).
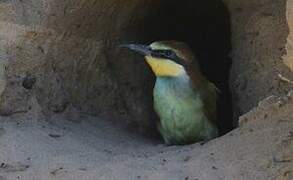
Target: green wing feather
(209, 94)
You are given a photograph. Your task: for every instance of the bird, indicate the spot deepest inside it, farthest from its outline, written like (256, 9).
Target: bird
(184, 99)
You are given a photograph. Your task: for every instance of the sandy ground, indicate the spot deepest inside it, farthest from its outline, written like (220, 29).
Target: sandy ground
(93, 149)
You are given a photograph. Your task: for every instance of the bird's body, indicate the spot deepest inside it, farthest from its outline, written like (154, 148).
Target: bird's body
(181, 110)
(184, 99)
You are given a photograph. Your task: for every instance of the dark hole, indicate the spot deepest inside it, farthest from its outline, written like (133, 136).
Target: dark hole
(28, 82)
(205, 26)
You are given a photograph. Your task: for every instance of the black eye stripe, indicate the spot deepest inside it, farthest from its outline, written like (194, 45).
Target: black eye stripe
(163, 53)
(167, 54)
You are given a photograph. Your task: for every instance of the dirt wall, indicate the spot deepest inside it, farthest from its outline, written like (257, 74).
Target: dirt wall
(259, 40)
(65, 55)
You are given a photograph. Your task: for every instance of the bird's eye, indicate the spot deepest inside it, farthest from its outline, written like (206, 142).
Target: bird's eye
(167, 53)
(164, 54)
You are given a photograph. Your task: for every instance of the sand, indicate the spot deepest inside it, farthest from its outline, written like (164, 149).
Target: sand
(32, 148)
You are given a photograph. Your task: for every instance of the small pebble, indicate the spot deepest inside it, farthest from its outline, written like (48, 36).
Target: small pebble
(54, 135)
(187, 158)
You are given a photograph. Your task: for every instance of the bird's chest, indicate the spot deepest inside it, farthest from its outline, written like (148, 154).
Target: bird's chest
(175, 99)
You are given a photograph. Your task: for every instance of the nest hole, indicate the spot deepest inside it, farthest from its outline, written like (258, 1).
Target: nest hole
(205, 26)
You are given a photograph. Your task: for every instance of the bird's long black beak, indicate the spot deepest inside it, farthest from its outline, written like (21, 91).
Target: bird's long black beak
(139, 48)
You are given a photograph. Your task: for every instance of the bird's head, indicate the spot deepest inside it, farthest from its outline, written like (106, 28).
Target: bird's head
(166, 58)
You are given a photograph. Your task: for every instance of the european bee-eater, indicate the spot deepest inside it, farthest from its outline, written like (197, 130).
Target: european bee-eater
(184, 99)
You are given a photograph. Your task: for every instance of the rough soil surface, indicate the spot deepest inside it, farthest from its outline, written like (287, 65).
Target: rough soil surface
(68, 48)
(261, 149)
(260, 30)
(288, 59)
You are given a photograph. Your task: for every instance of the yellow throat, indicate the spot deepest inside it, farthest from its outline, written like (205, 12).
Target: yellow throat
(164, 67)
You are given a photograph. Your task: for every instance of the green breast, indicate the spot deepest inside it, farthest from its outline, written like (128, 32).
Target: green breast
(181, 111)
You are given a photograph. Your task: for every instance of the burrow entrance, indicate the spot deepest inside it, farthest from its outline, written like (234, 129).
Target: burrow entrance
(205, 26)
